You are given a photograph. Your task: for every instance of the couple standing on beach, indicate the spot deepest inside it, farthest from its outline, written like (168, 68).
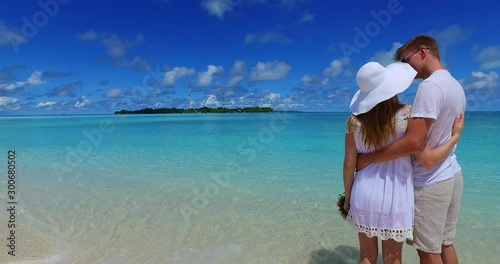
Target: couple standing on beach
(408, 183)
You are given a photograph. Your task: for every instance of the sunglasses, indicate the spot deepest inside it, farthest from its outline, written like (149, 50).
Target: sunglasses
(407, 58)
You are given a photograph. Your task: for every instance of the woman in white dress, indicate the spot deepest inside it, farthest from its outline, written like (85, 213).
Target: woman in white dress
(380, 197)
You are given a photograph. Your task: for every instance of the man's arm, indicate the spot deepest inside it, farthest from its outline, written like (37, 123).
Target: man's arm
(413, 141)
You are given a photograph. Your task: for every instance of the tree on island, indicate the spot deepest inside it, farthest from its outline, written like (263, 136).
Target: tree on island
(204, 109)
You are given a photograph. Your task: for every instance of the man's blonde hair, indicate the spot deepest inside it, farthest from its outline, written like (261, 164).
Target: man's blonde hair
(417, 42)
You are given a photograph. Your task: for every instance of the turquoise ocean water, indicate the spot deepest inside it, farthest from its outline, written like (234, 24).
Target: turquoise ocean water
(210, 188)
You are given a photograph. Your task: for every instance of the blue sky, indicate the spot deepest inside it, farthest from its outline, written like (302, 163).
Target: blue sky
(78, 57)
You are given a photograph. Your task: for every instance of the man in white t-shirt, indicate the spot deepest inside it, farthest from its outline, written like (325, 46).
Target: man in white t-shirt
(438, 187)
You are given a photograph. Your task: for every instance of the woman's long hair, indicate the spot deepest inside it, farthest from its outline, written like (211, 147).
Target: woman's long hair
(378, 124)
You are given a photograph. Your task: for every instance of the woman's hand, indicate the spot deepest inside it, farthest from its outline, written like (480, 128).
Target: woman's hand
(427, 149)
(456, 130)
(347, 202)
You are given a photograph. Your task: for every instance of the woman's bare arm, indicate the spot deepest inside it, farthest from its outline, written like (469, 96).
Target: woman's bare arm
(428, 158)
(350, 156)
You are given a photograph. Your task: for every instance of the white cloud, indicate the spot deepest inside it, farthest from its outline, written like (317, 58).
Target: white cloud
(46, 104)
(315, 81)
(176, 73)
(336, 67)
(386, 57)
(328, 75)
(113, 93)
(269, 100)
(290, 103)
(235, 81)
(237, 73)
(34, 80)
(14, 86)
(307, 17)
(264, 98)
(211, 101)
(481, 80)
(273, 96)
(5, 100)
(273, 70)
(205, 78)
(82, 102)
(267, 37)
(89, 35)
(239, 68)
(482, 90)
(489, 58)
(451, 35)
(139, 63)
(218, 7)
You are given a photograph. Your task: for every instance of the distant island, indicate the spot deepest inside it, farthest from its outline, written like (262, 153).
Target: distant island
(197, 110)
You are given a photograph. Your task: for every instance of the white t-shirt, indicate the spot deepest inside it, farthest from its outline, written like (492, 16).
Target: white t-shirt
(441, 98)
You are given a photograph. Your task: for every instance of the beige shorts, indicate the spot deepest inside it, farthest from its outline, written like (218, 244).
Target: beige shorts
(436, 214)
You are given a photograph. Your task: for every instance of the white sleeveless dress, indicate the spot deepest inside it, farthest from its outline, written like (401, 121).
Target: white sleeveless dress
(382, 202)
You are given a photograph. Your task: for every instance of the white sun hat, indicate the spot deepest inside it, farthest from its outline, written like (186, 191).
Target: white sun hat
(378, 83)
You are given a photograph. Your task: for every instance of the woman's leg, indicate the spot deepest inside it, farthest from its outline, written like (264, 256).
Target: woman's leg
(368, 249)
(391, 251)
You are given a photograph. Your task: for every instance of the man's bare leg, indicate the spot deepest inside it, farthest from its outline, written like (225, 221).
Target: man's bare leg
(449, 255)
(429, 258)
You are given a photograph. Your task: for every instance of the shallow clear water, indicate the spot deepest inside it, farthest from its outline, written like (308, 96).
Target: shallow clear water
(213, 188)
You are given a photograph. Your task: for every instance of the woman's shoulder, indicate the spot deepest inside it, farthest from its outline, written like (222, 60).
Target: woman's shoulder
(406, 107)
(404, 110)
(352, 123)
(402, 118)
